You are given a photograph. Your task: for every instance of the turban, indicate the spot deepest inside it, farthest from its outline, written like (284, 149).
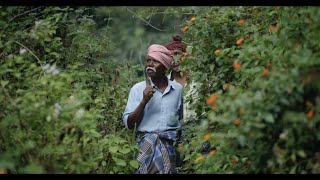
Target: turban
(161, 54)
(176, 44)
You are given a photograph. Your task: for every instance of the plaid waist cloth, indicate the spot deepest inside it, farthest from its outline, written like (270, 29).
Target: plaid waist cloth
(157, 153)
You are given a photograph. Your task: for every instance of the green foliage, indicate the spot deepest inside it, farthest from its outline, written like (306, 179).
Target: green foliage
(261, 123)
(61, 101)
(64, 87)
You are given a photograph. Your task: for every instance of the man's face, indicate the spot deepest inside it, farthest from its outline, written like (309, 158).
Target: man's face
(154, 68)
(177, 54)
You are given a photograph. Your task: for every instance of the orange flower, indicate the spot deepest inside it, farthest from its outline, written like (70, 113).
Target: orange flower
(274, 28)
(200, 158)
(265, 73)
(236, 121)
(3, 172)
(218, 51)
(226, 86)
(193, 19)
(310, 114)
(239, 41)
(241, 22)
(236, 66)
(185, 29)
(212, 99)
(212, 152)
(206, 137)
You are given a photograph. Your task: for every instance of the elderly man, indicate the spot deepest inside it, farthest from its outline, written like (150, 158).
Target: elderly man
(154, 107)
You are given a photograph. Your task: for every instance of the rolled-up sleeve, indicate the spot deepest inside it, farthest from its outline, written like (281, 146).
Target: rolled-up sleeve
(132, 104)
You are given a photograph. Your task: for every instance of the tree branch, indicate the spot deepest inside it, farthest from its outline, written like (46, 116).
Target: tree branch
(32, 54)
(151, 14)
(26, 12)
(144, 20)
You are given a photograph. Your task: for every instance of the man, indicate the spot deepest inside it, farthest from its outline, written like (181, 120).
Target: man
(154, 107)
(177, 49)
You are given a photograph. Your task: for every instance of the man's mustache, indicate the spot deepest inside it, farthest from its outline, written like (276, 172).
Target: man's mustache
(152, 68)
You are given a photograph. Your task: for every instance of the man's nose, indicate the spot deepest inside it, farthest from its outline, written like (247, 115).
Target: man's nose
(150, 63)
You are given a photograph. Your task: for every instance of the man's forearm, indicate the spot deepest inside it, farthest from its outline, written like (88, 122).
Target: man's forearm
(136, 115)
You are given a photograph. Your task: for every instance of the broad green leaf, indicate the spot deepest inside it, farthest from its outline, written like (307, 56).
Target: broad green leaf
(104, 163)
(120, 162)
(301, 153)
(113, 149)
(269, 118)
(4, 83)
(134, 164)
(124, 150)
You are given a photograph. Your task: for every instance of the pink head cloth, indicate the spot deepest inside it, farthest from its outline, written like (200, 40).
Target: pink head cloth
(161, 54)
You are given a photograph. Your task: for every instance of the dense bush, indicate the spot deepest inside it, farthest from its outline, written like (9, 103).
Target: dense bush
(61, 100)
(257, 72)
(255, 94)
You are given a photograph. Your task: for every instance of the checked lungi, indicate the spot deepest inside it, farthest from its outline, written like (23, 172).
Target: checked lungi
(157, 153)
